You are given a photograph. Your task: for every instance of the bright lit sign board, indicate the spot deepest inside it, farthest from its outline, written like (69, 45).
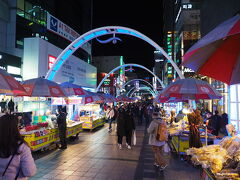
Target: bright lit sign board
(13, 70)
(51, 61)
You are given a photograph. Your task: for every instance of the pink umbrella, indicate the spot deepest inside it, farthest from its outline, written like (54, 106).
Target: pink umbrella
(189, 89)
(217, 54)
(41, 87)
(8, 85)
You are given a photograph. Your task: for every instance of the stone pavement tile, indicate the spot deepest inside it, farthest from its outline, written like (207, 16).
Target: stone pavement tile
(66, 173)
(90, 174)
(74, 177)
(61, 176)
(101, 176)
(78, 173)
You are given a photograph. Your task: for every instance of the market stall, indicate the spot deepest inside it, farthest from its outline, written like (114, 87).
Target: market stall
(37, 116)
(91, 116)
(220, 161)
(38, 123)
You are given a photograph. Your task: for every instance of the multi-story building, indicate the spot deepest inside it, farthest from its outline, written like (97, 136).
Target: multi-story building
(106, 64)
(42, 26)
(181, 31)
(213, 13)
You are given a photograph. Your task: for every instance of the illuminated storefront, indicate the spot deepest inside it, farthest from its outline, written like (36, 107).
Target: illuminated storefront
(234, 110)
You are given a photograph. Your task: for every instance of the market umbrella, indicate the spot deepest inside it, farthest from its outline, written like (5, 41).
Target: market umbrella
(41, 87)
(189, 89)
(91, 97)
(109, 98)
(8, 85)
(73, 89)
(122, 98)
(217, 54)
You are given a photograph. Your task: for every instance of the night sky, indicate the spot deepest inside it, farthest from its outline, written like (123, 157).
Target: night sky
(143, 16)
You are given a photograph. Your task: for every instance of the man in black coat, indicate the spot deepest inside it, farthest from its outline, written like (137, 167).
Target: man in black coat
(11, 106)
(214, 123)
(62, 126)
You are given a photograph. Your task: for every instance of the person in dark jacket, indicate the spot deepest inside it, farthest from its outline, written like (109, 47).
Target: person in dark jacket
(129, 127)
(11, 106)
(62, 126)
(223, 123)
(120, 126)
(214, 123)
(3, 105)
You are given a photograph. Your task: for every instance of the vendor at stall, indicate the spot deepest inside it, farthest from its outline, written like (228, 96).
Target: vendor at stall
(62, 126)
(194, 120)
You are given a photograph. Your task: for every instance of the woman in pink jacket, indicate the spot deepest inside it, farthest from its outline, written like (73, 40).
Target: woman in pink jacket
(16, 161)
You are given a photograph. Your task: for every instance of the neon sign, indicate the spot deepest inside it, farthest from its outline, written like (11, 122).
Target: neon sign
(51, 61)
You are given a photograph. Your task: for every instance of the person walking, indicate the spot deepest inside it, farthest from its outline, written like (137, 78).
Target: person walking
(129, 127)
(110, 115)
(120, 126)
(11, 105)
(156, 140)
(3, 105)
(62, 126)
(16, 161)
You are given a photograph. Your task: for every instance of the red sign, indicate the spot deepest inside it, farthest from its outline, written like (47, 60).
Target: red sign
(51, 61)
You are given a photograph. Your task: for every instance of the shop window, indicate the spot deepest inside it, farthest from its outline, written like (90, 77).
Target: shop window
(28, 7)
(233, 93)
(20, 12)
(236, 124)
(233, 114)
(20, 4)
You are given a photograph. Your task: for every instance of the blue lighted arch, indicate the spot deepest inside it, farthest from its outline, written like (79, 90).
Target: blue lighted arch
(142, 80)
(69, 50)
(125, 65)
(140, 88)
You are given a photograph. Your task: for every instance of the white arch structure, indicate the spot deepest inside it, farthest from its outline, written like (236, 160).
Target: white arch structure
(77, 43)
(125, 65)
(141, 88)
(138, 80)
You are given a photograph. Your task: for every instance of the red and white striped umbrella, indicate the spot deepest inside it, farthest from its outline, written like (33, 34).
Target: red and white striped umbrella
(123, 98)
(8, 85)
(217, 54)
(73, 89)
(41, 87)
(189, 89)
(91, 97)
(107, 98)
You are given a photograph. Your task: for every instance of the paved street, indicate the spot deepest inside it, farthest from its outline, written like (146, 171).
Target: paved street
(95, 155)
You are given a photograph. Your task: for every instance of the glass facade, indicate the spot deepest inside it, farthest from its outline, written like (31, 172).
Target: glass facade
(31, 12)
(235, 106)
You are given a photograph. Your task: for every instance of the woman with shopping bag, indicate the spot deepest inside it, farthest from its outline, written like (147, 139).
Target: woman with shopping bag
(157, 138)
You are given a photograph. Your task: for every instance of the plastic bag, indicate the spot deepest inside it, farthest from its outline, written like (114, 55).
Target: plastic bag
(134, 138)
(166, 148)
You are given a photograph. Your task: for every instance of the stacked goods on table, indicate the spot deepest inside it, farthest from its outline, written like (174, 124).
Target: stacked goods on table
(223, 159)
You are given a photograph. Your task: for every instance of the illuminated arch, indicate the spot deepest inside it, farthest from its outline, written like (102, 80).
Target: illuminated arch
(125, 65)
(124, 85)
(141, 88)
(77, 43)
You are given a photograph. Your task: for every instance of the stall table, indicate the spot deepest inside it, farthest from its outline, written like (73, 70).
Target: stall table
(90, 123)
(42, 138)
(180, 142)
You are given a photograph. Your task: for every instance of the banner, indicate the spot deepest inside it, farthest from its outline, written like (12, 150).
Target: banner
(63, 30)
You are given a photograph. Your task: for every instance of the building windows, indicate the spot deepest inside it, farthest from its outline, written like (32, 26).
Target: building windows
(235, 106)
(31, 12)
